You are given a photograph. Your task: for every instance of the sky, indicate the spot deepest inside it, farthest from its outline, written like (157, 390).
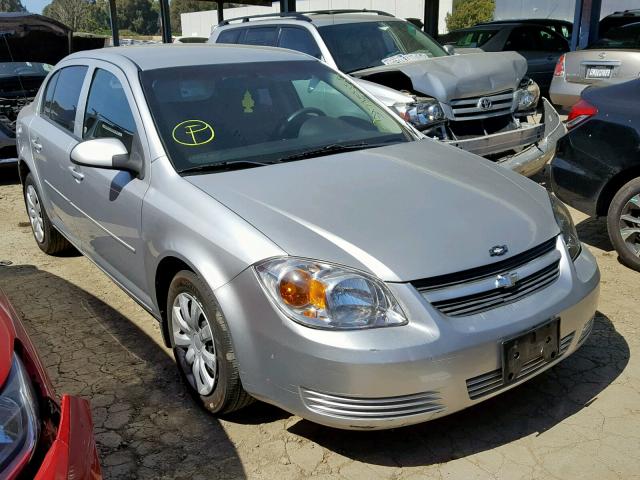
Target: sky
(35, 6)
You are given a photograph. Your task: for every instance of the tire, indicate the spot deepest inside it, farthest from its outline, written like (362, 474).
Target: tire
(624, 215)
(215, 385)
(45, 234)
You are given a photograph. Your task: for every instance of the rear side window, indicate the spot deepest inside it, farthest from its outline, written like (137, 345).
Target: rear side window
(300, 40)
(108, 114)
(48, 94)
(475, 38)
(230, 36)
(63, 103)
(261, 36)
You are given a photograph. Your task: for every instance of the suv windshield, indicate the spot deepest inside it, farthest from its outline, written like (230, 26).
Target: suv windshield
(627, 37)
(360, 45)
(251, 114)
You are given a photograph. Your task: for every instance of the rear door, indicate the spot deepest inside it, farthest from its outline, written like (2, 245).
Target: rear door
(52, 136)
(542, 49)
(111, 200)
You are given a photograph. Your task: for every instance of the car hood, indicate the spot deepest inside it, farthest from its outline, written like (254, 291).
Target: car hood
(7, 337)
(33, 38)
(453, 76)
(402, 212)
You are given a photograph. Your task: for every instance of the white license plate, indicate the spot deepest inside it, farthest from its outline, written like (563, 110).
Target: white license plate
(598, 72)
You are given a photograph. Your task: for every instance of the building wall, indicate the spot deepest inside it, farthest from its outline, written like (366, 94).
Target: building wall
(561, 9)
(200, 23)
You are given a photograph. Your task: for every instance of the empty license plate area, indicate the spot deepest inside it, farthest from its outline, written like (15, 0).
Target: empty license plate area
(599, 72)
(529, 351)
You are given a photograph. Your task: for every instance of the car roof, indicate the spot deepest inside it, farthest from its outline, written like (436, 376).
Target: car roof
(151, 57)
(322, 19)
(625, 13)
(541, 21)
(318, 18)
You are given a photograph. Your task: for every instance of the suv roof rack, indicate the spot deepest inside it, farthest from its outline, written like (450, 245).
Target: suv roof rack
(301, 15)
(294, 15)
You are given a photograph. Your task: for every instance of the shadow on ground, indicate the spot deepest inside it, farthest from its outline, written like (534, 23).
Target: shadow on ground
(593, 232)
(9, 175)
(146, 425)
(531, 408)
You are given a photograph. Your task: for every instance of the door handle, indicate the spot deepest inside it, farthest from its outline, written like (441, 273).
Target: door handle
(37, 146)
(75, 173)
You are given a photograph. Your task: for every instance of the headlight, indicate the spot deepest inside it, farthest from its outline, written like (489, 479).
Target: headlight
(19, 425)
(527, 95)
(569, 234)
(422, 114)
(321, 295)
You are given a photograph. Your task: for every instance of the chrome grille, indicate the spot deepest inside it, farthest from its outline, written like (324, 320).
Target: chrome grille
(357, 408)
(486, 300)
(469, 108)
(488, 383)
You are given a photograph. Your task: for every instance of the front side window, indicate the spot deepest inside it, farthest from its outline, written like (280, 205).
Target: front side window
(63, 104)
(356, 46)
(107, 114)
(522, 39)
(300, 40)
(266, 112)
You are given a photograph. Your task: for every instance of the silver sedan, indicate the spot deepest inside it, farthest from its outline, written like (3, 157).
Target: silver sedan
(299, 243)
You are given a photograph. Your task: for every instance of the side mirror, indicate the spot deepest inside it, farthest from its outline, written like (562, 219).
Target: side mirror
(107, 153)
(450, 49)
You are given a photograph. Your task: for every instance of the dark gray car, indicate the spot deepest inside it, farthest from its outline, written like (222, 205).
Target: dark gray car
(540, 45)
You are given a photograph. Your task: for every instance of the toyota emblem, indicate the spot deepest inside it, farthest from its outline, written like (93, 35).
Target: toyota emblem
(484, 103)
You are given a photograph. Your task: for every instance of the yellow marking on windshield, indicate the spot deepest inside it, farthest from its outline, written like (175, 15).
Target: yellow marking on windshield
(192, 133)
(247, 102)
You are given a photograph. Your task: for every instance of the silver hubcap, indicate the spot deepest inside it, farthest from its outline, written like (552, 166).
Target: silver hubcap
(35, 213)
(630, 224)
(194, 344)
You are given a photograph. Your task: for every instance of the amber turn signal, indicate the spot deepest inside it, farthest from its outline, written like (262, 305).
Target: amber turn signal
(299, 289)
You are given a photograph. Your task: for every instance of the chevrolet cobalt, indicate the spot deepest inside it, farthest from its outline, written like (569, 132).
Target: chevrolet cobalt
(298, 242)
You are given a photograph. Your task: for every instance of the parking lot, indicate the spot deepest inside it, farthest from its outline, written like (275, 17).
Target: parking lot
(579, 420)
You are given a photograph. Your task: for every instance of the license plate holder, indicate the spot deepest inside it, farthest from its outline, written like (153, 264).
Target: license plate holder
(539, 344)
(598, 72)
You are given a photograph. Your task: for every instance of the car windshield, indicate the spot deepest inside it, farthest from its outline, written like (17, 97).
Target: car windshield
(259, 113)
(627, 38)
(24, 69)
(359, 45)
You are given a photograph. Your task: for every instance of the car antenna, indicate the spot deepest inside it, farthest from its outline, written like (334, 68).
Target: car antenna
(4, 37)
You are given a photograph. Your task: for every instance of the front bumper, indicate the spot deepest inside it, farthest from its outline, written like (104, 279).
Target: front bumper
(391, 377)
(73, 454)
(540, 142)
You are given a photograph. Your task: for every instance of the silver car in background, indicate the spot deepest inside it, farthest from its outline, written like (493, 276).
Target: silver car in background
(297, 242)
(615, 58)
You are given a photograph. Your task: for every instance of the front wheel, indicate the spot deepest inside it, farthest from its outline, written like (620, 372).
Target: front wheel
(623, 223)
(202, 345)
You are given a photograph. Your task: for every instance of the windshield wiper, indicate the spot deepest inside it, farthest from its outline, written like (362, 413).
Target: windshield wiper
(222, 167)
(329, 150)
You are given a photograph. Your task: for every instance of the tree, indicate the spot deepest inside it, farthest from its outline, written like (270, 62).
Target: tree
(183, 6)
(73, 13)
(11, 6)
(467, 13)
(139, 16)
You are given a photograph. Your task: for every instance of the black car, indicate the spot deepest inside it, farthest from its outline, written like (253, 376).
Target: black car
(597, 164)
(29, 45)
(540, 45)
(561, 27)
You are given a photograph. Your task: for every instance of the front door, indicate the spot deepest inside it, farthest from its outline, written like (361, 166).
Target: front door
(111, 200)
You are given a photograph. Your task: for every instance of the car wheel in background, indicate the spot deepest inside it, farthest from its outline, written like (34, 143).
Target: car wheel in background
(623, 223)
(202, 345)
(47, 237)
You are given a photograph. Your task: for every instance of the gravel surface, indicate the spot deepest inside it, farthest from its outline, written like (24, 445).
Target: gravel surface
(581, 419)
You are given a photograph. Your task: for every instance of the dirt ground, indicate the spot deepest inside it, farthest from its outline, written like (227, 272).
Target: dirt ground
(579, 420)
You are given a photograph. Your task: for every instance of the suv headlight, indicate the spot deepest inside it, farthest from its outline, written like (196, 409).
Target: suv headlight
(423, 113)
(567, 228)
(527, 95)
(19, 424)
(321, 295)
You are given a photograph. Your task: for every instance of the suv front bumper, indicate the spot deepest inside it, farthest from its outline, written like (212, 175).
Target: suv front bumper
(539, 141)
